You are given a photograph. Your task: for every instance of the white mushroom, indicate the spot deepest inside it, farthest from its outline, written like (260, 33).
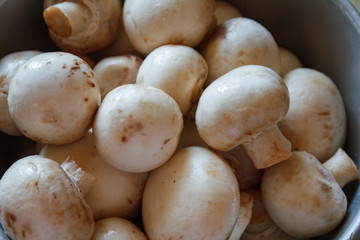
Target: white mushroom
(116, 71)
(38, 200)
(180, 71)
(288, 61)
(8, 67)
(137, 128)
(117, 229)
(82, 26)
(316, 121)
(115, 193)
(224, 11)
(239, 106)
(238, 42)
(193, 196)
(53, 98)
(151, 24)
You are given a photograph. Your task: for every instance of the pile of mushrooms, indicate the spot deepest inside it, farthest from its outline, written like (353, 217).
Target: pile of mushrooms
(188, 121)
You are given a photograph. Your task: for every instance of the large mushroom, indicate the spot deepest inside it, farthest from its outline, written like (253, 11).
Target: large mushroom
(40, 201)
(53, 98)
(82, 26)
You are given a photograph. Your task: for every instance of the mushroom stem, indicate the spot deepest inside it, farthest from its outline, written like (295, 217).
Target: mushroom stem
(269, 148)
(83, 178)
(67, 19)
(342, 168)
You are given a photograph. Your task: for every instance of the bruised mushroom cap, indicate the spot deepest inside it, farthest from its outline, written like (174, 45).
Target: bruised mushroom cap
(240, 105)
(137, 128)
(53, 98)
(115, 192)
(38, 200)
(180, 71)
(194, 195)
(82, 26)
(224, 11)
(302, 197)
(316, 121)
(8, 67)
(238, 42)
(114, 228)
(151, 24)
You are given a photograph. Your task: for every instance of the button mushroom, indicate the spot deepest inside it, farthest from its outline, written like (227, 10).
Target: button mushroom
(238, 42)
(39, 200)
(8, 67)
(82, 26)
(194, 195)
(137, 128)
(316, 120)
(288, 61)
(151, 24)
(302, 196)
(53, 98)
(224, 11)
(239, 106)
(180, 71)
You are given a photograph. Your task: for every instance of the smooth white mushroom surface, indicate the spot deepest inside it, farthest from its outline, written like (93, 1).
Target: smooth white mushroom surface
(316, 120)
(137, 128)
(8, 67)
(53, 98)
(238, 42)
(151, 24)
(195, 195)
(115, 192)
(39, 201)
(178, 70)
(117, 229)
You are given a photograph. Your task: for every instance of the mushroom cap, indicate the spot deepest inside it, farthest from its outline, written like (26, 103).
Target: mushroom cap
(288, 61)
(137, 128)
(224, 11)
(239, 105)
(194, 195)
(180, 71)
(8, 67)
(238, 42)
(117, 229)
(316, 121)
(151, 24)
(39, 201)
(115, 192)
(53, 98)
(302, 197)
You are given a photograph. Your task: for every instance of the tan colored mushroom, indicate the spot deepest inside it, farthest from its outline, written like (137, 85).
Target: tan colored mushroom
(39, 200)
(8, 67)
(82, 26)
(238, 42)
(288, 61)
(316, 121)
(53, 98)
(151, 24)
(195, 195)
(117, 229)
(178, 70)
(224, 11)
(116, 71)
(114, 193)
(137, 128)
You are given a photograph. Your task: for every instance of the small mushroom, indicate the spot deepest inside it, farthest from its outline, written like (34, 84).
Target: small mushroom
(194, 195)
(8, 67)
(117, 229)
(224, 11)
(39, 200)
(316, 120)
(239, 106)
(53, 98)
(116, 71)
(137, 128)
(180, 71)
(151, 24)
(82, 26)
(288, 61)
(302, 196)
(238, 42)
(114, 193)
